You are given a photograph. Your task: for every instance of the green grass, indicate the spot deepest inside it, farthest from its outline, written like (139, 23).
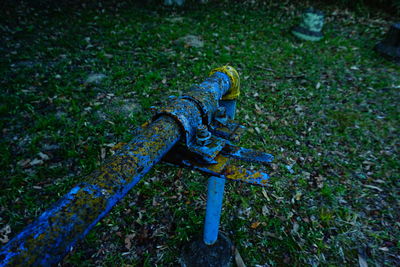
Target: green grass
(328, 109)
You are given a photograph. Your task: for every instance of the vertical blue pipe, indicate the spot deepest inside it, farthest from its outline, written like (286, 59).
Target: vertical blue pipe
(215, 196)
(215, 193)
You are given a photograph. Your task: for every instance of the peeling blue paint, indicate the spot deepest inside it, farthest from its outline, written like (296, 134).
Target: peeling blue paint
(245, 154)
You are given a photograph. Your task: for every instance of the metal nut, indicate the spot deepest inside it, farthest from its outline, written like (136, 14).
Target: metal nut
(202, 135)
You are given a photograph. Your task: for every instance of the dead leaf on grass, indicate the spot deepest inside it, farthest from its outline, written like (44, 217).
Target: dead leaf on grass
(254, 225)
(128, 241)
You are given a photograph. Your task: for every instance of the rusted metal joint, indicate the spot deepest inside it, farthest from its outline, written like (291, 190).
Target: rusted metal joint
(186, 113)
(209, 132)
(206, 104)
(197, 106)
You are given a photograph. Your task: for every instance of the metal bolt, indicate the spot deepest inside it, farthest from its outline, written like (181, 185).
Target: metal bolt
(201, 130)
(202, 135)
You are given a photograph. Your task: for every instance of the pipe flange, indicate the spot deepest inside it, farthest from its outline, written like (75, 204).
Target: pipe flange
(206, 103)
(186, 113)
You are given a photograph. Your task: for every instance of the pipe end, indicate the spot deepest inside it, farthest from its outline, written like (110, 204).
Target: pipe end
(234, 91)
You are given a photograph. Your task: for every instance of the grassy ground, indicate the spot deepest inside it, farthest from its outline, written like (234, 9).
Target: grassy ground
(328, 111)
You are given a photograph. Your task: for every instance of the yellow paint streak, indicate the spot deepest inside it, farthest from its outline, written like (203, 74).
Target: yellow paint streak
(222, 161)
(235, 173)
(233, 92)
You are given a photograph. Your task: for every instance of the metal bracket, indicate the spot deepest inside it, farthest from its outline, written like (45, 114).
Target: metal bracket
(211, 152)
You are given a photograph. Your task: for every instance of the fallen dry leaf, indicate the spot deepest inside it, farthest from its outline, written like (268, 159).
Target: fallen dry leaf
(128, 241)
(254, 225)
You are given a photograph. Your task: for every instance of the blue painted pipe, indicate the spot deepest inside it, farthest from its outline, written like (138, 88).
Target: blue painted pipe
(215, 197)
(48, 239)
(215, 192)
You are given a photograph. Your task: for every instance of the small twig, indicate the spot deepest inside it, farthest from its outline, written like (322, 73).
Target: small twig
(266, 69)
(301, 76)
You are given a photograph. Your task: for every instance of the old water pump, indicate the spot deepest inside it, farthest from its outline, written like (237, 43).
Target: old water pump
(195, 131)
